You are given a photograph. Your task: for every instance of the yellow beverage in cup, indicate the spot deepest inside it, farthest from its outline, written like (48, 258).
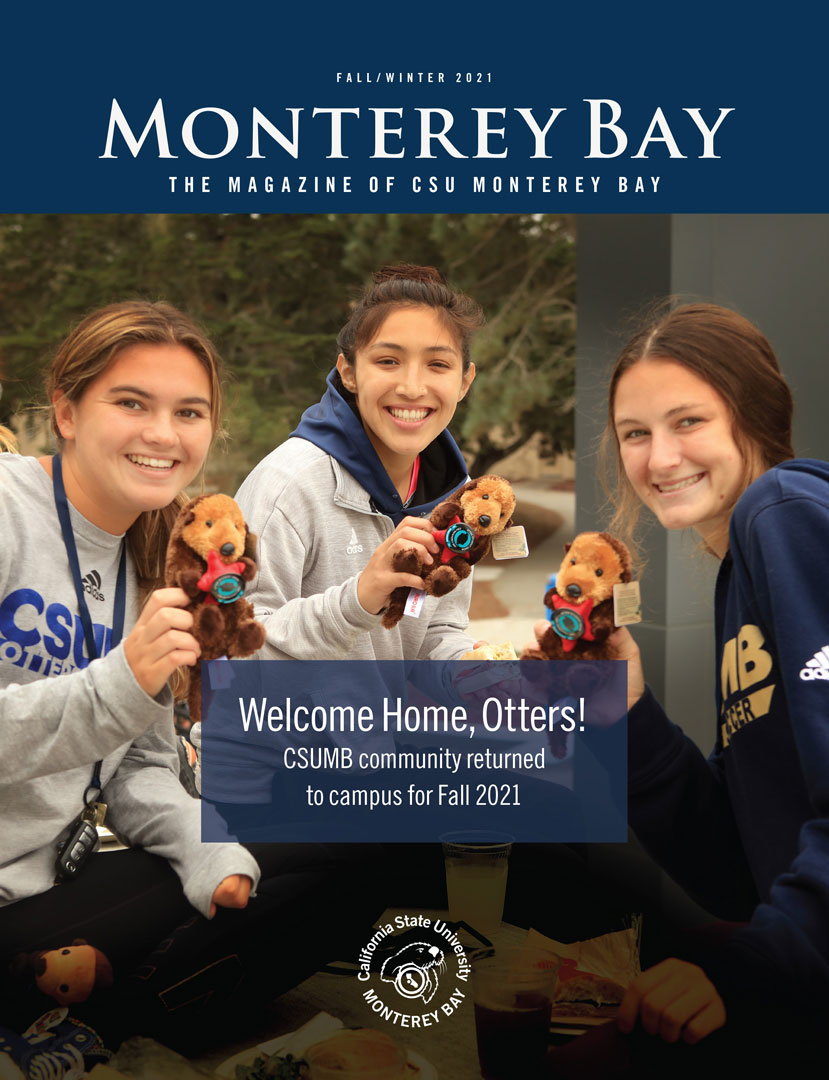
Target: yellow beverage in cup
(476, 893)
(476, 880)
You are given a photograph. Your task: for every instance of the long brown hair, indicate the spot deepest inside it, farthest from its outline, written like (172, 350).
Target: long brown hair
(88, 350)
(406, 285)
(730, 354)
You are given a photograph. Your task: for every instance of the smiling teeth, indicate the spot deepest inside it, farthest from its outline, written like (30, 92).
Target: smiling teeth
(151, 462)
(410, 415)
(666, 489)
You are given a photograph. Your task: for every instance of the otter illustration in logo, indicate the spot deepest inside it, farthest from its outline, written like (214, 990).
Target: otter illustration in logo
(412, 970)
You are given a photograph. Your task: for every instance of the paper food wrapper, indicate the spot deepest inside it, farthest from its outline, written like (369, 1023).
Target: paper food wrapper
(613, 956)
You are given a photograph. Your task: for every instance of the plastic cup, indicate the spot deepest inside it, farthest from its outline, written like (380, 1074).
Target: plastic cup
(513, 992)
(476, 878)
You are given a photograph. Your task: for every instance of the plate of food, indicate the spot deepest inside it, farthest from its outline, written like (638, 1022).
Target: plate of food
(324, 1039)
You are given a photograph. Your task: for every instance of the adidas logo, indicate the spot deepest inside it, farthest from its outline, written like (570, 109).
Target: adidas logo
(354, 545)
(92, 585)
(817, 667)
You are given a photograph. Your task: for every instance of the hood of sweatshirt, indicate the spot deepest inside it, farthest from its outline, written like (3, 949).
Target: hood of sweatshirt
(334, 425)
(804, 466)
(798, 477)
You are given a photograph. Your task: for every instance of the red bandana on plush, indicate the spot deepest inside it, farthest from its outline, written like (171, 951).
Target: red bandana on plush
(448, 553)
(215, 568)
(583, 609)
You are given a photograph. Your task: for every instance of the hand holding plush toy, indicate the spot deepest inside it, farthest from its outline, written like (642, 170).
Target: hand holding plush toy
(210, 556)
(462, 525)
(582, 599)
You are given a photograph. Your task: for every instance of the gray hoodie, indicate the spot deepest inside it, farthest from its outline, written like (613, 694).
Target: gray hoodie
(320, 504)
(59, 713)
(317, 530)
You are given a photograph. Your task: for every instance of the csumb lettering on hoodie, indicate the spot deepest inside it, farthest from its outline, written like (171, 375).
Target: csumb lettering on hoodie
(746, 672)
(47, 637)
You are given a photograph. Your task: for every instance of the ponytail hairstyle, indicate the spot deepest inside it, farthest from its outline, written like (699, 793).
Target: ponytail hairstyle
(729, 353)
(406, 285)
(88, 350)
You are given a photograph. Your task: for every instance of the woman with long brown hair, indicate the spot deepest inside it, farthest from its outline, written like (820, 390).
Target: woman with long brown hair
(700, 420)
(88, 643)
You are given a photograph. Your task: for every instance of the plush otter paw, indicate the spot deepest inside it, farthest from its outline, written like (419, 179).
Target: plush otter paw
(251, 637)
(395, 608)
(209, 626)
(442, 581)
(189, 581)
(407, 562)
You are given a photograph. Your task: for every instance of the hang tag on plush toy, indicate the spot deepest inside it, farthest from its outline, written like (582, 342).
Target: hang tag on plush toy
(414, 603)
(627, 603)
(510, 544)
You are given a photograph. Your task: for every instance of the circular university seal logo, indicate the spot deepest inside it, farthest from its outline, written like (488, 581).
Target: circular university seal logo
(415, 971)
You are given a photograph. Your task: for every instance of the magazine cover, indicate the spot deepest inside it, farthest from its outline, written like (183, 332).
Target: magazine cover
(413, 476)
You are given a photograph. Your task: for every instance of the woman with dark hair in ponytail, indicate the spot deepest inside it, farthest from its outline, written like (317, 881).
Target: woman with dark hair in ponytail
(358, 478)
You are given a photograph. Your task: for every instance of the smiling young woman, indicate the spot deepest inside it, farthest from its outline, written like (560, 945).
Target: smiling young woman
(700, 418)
(89, 643)
(677, 448)
(359, 477)
(407, 384)
(138, 435)
(716, 358)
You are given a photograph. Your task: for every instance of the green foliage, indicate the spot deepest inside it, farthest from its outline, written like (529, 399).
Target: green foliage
(274, 290)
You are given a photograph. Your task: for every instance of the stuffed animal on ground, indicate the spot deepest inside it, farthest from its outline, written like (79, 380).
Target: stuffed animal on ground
(211, 556)
(581, 601)
(462, 525)
(69, 975)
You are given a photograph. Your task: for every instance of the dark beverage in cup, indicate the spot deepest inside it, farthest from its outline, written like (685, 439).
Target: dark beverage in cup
(512, 1041)
(513, 990)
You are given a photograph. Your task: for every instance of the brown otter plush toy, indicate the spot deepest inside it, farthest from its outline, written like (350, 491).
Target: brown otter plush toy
(69, 975)
(210, 556)
(462, 525)
(582, 599)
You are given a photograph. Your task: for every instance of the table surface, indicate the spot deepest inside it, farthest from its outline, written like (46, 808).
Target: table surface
(449, 1046)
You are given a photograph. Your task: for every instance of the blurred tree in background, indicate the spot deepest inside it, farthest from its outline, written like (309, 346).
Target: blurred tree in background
(274, 290)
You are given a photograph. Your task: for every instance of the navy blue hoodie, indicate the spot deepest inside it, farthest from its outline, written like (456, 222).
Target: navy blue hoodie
(749, 826)
(334, 425)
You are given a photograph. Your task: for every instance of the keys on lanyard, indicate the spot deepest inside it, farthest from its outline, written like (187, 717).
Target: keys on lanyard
(95, 813)
(84, 836)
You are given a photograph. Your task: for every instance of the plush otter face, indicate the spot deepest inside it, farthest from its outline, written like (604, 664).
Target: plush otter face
(215, 523)
(592, 565)
(487, 505)
(67, 975)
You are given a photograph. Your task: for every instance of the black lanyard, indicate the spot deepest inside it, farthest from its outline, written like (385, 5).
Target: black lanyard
(119, 608)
